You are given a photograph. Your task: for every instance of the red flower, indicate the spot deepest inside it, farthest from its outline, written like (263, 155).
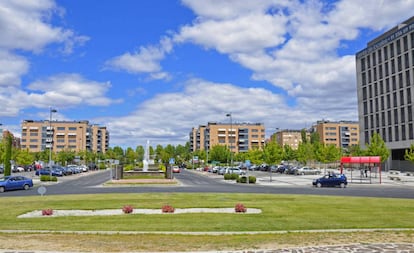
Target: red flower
(47, 212)
(168, 209)
(128, 209)
(240, 208)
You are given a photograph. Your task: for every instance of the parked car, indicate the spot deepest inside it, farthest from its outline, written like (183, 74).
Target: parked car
(237, 171)
(15, 183)
(307, 171)
(331, 180)
(176, 169)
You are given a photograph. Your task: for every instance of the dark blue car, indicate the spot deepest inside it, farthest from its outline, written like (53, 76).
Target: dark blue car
(15, 183)
(331, 180)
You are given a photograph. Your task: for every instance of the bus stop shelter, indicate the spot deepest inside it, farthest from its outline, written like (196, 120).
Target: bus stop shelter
(365, 165)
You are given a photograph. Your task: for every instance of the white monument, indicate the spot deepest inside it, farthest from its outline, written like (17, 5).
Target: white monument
(146, 158)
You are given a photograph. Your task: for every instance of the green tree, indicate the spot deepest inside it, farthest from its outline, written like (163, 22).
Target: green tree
(255, 156)
(289, 154)
(315, 138)
(272, 153)
(24, 157)
(409, 154)
(140, 151)
(305, 152)
(219, 153)
(303, 135)
(377, 147)
(356, 151)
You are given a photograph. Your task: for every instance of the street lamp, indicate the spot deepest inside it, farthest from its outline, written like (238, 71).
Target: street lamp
(51, 110)
(231, 140)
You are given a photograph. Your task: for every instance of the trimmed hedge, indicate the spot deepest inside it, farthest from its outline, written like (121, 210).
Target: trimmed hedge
(231, 176)
(243, 179)
(46, 178)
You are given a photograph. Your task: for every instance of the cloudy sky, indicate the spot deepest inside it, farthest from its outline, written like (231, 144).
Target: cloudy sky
(153, 69)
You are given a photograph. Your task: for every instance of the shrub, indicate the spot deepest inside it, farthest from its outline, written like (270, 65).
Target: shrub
(46, 178)
(242, 180)
(47, 212)
(240, 208)
(167, 209)
(231, 176)
(127, 209)
(252, 180)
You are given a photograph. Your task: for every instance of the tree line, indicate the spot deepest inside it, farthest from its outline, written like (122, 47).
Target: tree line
(309, 151)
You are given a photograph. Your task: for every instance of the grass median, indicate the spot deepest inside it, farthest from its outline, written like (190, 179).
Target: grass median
(279, 213)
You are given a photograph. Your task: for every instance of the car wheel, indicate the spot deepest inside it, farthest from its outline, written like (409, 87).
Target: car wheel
(319, 185)
(342, 185)
(26, 187)
(1, 189)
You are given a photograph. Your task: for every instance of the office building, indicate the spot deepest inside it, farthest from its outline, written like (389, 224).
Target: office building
(341, 134)
(75, 136)
(385, 90)
(239, 137)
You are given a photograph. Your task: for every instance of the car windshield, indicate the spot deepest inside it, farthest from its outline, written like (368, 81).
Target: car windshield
(3, 179)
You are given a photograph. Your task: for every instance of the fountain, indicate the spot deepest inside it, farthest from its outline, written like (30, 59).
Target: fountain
(145, 161)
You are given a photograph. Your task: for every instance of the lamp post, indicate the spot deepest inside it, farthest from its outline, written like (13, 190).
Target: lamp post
(230, 139)
(51, 110)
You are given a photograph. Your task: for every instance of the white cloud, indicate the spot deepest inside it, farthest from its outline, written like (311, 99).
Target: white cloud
(67, 90)
(168, 118)
(146, 60)
(25, 26)
(11, 68)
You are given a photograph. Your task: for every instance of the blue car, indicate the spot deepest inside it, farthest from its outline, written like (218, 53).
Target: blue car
(331, 180)
(15, 183)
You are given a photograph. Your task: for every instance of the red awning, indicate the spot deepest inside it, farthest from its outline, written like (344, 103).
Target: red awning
(361, 159)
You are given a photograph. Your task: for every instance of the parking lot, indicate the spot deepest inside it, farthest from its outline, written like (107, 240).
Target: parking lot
(389, 178)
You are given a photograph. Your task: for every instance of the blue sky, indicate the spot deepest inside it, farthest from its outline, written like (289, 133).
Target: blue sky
(153, 69)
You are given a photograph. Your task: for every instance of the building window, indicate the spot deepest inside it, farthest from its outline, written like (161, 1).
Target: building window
(59, 140)
(387, 72)
(393, 66)
(389, 117)
(406, 61)
(400, 80)
(33, 140)
(410, 113)
(398, 47)
(402, 115)
(394, 96)
(407, 78)
(399, 63)
(382, 118)
(60, 128)
(387, 84)
(403, 135)
(389, 134)
(363, 64)
(33, 146)
(385, 53)
(382, 102)
(395, 116)
(33, 134)
(365, 108)
(405, 43)
(72, 128)
(401, 97)
(388, 101)
(379, 56)
(396, 135)
(392, 50)
(410, 131)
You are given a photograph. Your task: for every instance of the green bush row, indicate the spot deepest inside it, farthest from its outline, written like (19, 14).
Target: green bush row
(243, 179)
(231, 176)
(46, 178)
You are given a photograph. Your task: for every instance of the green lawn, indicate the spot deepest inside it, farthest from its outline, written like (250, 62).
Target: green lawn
(279, 212)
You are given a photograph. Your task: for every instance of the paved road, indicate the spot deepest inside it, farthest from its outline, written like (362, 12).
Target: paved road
(204, 182)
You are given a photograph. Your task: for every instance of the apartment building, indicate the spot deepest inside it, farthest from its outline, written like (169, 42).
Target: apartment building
(288, 137)
(64, 135)
(342, 134)
(385, 76)
(239, 137)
